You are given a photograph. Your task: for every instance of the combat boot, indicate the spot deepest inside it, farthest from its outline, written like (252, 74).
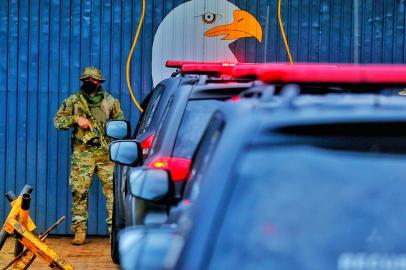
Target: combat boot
(80, 237)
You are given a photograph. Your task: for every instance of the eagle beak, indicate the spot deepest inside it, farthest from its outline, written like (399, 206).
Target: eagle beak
(244, 25)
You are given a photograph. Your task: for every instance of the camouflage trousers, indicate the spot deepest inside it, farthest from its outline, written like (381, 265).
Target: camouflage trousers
(85, 162)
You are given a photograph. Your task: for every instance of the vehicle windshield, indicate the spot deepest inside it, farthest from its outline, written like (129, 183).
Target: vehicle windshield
(308, 208)
(194, 122)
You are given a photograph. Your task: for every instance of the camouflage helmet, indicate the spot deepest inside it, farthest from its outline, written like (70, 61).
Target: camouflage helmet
(92, 72)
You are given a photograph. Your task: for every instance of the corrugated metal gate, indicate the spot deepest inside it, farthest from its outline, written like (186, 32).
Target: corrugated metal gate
(45, 44)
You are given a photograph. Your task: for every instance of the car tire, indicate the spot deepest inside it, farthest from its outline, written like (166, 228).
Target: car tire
(118, 219)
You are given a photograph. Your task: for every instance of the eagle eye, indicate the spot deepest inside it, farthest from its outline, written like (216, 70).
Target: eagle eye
(209, 17)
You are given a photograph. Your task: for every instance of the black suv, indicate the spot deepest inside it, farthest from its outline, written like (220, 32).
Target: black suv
(304, 182)
(167, 136)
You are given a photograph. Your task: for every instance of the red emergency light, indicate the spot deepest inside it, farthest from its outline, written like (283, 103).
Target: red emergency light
(300, 73)
(209, 69)
(214, 68)
(251, 70)
(180, 64)
(332, 73)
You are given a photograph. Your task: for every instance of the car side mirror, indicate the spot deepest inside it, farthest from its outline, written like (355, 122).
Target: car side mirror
(125, 152)
(144, 247)
(118, 129)
(150, 184)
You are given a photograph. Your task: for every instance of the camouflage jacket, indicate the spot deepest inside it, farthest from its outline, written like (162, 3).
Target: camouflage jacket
(70, 110)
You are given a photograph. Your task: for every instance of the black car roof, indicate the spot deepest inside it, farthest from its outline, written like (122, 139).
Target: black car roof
(236, 140)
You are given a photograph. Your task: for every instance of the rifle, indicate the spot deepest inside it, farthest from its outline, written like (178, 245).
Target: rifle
(95, 125)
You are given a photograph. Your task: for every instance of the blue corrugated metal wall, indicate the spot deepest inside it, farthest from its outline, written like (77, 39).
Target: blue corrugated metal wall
(45, 44)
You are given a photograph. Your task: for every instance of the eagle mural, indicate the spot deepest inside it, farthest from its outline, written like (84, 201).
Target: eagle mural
(200, 30)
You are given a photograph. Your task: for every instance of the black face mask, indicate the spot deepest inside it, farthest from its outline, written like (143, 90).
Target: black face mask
(89, 87)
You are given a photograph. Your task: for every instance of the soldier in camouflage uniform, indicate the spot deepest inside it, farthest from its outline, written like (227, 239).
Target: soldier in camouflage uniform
(89, 154)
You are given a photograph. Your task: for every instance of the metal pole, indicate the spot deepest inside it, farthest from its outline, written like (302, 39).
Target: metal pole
(266, 34)
(11, 197)
(356, 32)
(24, 215)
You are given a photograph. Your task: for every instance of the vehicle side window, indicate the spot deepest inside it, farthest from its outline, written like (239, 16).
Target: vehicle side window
(203, 155)
(149, 113)
(194, 122)
(329, 211)
(157, 141)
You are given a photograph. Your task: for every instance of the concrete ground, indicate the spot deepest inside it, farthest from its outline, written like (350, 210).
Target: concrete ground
(95, 254)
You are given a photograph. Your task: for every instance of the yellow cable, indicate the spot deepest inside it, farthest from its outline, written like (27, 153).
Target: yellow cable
(285, 40)
(127, 71)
